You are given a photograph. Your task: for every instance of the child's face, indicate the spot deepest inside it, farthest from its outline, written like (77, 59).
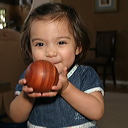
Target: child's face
(52, 41)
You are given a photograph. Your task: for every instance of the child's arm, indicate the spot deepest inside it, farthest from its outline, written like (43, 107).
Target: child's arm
(90, 105)
(20, 107)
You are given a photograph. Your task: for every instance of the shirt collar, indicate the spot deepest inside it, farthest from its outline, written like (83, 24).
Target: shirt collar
(72, 71)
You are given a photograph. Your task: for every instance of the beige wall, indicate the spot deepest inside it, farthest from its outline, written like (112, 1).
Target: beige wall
(108, 21)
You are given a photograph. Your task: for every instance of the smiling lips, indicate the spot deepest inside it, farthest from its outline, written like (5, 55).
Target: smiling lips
(54, 61)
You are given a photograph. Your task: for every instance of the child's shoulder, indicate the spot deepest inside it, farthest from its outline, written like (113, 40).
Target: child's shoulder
(82, 71)
(86, 78)
(86, 69)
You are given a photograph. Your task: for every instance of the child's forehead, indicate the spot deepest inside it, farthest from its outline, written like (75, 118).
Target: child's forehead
(59, 22)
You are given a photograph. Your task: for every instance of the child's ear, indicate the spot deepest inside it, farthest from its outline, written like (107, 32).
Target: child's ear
(78, 50)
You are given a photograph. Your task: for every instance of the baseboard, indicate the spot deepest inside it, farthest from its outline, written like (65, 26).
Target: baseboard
(118, 82)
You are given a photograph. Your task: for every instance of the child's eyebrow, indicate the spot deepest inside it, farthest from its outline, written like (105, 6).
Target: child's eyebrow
(67, 37)
(37, 39)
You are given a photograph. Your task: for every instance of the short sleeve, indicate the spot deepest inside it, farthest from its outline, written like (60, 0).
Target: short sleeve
(91, 81)
(86, 79)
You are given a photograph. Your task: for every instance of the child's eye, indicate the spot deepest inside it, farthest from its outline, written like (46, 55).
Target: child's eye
(62, 42)
(39, 44)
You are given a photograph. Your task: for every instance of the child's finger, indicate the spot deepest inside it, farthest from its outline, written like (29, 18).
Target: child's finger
(27, 90)
(22, 81)
(49, 94)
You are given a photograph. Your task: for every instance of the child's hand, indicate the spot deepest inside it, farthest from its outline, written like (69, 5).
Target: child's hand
(29, 90)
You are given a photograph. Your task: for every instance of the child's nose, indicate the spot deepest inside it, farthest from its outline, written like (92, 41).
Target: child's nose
(51, 52)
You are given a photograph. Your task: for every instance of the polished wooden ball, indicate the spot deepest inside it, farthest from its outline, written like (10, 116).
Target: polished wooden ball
(41, 75)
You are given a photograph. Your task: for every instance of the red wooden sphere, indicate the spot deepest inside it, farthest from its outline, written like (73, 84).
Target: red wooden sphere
(41, 75)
